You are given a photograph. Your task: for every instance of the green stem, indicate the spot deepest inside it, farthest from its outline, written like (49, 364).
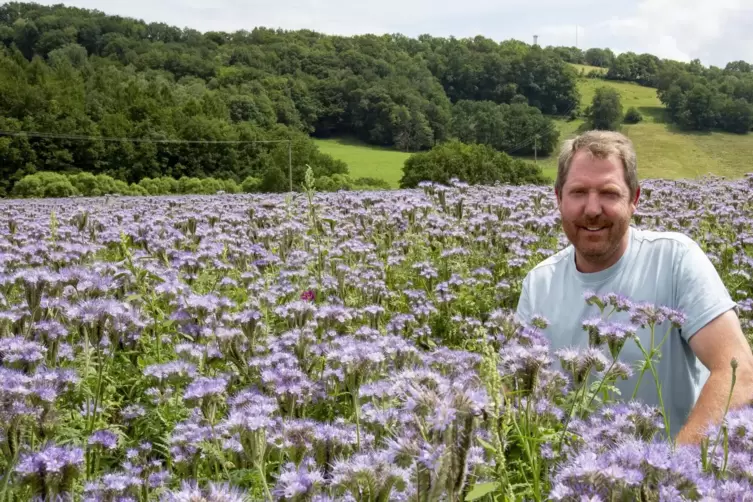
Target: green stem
(601, 383)
(263, 477)
(7, 476)
(529, 456)
(572, 409)
(648, 357)
(661, 399)
(645, 361)
(357, 410)
(100, 364)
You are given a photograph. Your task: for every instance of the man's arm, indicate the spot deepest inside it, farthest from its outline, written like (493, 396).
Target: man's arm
(715, 345)
(523, 310)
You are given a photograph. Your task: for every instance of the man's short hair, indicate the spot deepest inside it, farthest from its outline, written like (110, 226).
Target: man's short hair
(601, 144)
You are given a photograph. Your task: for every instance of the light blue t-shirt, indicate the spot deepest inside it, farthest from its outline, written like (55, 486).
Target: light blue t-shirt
(663, 268)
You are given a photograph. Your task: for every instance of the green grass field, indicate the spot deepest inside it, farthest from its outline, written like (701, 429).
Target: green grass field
(631, 95)
(585, 69)
(366, 160)
(663, 152)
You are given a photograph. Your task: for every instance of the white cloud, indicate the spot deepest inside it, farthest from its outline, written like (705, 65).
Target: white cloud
(716, 31)
(334, 16)
(683, 29)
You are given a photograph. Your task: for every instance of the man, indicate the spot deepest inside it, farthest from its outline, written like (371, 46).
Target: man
(597, 193)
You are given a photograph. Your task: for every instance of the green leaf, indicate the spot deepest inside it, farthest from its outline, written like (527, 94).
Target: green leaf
(482, 489)
(487, 446)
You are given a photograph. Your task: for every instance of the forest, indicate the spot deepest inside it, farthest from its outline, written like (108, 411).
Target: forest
(138, 91)
(697, 98)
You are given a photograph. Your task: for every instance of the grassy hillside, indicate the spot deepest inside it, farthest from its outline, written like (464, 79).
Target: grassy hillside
(663, 151)
(631, 94)
(366, 160)
(585, 69)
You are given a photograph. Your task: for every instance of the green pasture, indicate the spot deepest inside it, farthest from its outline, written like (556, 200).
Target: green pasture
(663, 150)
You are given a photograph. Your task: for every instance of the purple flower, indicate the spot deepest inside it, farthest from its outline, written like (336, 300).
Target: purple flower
(51, 466)
(647, 314)
(107, 439)
(298, 482)
(113, 486)
(203, 387)
(616, 334)
(593, 326)
(172, 371)
(18, 352)
(370, 471)
(216, 492)
(133, 411)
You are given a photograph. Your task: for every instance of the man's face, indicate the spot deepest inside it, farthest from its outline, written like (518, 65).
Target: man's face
(596, 208)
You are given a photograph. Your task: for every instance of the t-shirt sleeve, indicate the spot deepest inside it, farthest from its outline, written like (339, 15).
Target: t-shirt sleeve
(523, 312)
(701, 294)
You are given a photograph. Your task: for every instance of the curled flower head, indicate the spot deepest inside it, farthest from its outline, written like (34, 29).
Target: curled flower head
(106, 439)
(580, 363)
(204, 387)
(593, 326)
(298, 482)
(616, 334)
(214, 492)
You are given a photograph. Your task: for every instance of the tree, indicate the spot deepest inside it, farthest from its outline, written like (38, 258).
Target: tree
(632, 116)
(274, 181)
(504, 127)
(737, 116)
(702, 110)
(605, 112)
(473, 164)
(599, 57)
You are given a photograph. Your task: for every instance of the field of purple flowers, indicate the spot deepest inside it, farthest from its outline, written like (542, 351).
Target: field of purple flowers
(340, 346)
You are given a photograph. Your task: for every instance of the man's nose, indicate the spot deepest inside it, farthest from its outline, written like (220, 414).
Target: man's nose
(593, 205)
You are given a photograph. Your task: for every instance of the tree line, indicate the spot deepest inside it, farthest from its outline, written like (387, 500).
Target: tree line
(71, 71)
(696, 97)
(51, 184)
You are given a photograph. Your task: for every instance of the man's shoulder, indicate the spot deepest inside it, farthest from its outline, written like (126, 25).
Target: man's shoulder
(648, 241)
(667, 241)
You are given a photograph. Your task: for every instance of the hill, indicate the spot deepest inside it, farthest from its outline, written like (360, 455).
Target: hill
(366, 160)
(83, 91)
(584, 70)
(664, 151)
(208, 104)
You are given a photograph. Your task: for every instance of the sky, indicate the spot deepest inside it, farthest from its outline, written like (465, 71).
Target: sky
(714, 31)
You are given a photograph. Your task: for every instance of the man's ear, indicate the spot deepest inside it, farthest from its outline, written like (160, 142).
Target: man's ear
(637, 195)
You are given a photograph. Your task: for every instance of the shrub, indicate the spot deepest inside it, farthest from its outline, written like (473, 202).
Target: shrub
(632, 116)
(605, 110)
(251, 185)
(473, 164)
(274, 181)
(366, 183)
(44, 184)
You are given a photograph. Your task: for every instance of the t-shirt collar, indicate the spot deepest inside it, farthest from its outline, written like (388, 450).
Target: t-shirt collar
(603, 275)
